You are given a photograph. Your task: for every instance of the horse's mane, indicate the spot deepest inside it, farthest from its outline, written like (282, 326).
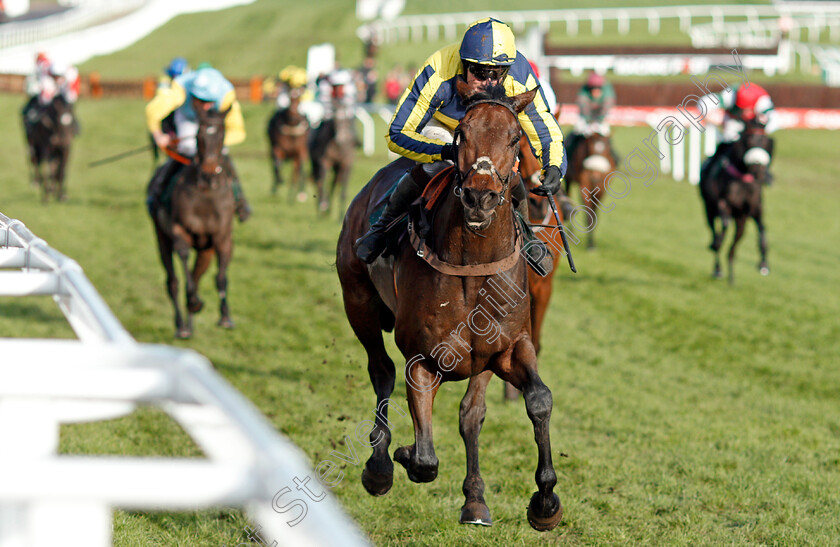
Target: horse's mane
(493, 93)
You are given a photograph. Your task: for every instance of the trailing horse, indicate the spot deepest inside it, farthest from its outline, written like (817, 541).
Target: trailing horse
(200, 218)
(732, 191)
(49, 136)
(468, 323)
(589, 164)
(333, 148)
(288, 134)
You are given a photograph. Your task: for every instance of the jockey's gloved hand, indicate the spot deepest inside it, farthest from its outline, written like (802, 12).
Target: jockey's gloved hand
(551, 182)
(448, 152)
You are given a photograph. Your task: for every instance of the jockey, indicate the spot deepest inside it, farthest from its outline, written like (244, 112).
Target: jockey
(203, 89)
(290, 78)
(175, 68)
(40, 88)
(595, 99)
(336, 89)
(430, 109)
(745, 104)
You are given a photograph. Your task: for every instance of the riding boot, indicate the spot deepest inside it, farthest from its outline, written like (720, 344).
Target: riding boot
(536, 253)
(711, 167)
(160, 180)
(768, 178)
(240, 203)
(370, 246)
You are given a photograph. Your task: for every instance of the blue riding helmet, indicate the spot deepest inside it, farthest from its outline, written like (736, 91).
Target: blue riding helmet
(208, 84)
(488, 42)
(176, 67)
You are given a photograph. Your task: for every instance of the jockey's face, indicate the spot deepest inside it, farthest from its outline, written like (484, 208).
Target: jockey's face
(198, 104)
(486, 76)
(596, 92)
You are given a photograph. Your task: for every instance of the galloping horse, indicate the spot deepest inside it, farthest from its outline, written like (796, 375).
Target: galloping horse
(201, 218)
(470, 322)
(50, 138)
(589, 165)
(334, 149)
(736, 194)
(288, 133)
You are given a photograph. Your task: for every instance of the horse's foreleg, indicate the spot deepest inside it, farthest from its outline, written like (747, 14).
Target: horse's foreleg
(165, 250)
(419, 459)
(276, 163)
(740, 223)
(60, 172)
(224, 253)
(343, 179)
(182, 246)
(473, 409)
(763, 268)
(544, 510)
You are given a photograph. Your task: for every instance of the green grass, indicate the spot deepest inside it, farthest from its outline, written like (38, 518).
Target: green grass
(691, 412)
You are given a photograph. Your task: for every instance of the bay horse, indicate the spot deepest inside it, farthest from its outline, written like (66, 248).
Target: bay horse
(201, 218)
(288, 135)
(735, 194)
(333, 149)
(50, 138)
(590, 163)
(468, 323)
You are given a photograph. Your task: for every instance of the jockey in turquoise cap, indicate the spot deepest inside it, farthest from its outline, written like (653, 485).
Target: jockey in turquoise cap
(204, 88)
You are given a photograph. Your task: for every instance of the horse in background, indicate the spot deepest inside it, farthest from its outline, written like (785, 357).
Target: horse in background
(200, 218)
(734, 192)
(288, 135)
(589, 164)
(333, 149)
(470, 266)
(49, 137)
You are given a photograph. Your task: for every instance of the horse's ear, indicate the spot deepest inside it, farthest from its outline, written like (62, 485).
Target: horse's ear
(463, 88)
(523, 99)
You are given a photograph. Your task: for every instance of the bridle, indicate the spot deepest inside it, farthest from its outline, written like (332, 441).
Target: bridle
(483, 163)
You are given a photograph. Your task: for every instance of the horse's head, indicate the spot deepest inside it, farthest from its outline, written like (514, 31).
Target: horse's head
(487, 144)
(753, 150)
(210, 140)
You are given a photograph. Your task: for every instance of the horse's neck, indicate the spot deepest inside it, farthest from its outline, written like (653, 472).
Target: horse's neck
(456, 244)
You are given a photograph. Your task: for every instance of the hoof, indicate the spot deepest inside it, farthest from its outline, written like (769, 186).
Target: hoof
(553, 513)
(225, 323)
(717, 274)
(183, 334)
(377, 484)
(416, 472)
(301, 197)
(476, 512)
(323, 206)
(196, 305)
(763, 269)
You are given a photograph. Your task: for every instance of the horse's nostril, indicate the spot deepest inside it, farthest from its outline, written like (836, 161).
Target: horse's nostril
(490, 200)
(469, 197)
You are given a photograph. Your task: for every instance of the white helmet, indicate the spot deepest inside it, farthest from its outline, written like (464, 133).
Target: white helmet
(58, 68)
(340, 77)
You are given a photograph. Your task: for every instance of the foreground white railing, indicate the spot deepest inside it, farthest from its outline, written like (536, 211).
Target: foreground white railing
(48, 499)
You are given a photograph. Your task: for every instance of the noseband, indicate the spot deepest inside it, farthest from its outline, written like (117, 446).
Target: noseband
(483, 165)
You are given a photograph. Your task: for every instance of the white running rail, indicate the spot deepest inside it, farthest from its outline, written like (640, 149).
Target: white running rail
(48, 498)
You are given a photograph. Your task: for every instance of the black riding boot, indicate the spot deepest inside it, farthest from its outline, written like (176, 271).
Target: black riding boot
(371, 245)
(240, 204)
(536, 253)
(160, 179)
(768, 178)
(711, 167)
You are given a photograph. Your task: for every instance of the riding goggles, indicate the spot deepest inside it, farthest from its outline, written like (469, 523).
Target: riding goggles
(485, 72)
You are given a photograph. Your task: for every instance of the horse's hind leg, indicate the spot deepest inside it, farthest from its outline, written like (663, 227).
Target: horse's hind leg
(182, 248)
(60, 173)
(473, 409)
(763, 268)
(544, 510)
(202, 261)
(419, 459)
(740, 223)
(365, 313)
